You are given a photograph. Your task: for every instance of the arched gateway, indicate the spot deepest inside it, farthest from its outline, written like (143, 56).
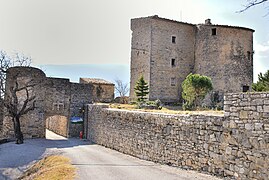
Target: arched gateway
(56, 102)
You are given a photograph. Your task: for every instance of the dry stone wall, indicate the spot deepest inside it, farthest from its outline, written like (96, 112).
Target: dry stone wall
(248, 115)
(235, 146)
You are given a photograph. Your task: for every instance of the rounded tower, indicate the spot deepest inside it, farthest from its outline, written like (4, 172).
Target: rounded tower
(23, 81)
(225, 54)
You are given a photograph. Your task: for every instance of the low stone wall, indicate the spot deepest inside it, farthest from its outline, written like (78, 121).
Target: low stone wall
(248, 122)
(32, 126)
(57, 124)
(234, 146)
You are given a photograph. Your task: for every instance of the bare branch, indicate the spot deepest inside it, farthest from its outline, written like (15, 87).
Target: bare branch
(6, 61)
(28, 99)
(252, 3)
(22, 60)
(121, 87)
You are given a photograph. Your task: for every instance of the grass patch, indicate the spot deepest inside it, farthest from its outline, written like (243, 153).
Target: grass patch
(166, 109)
(51, 167)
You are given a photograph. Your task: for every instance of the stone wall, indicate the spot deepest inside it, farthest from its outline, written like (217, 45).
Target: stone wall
(103, 93)
(163, 50)
(58, 124)
(32, 123)
(248, 115)
(234, 146)
(56, 98)
(81, 95)
(75, 129)
(140, 52)
(1, 118)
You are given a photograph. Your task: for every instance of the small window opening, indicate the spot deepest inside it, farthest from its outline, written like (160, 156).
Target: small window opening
(214, 31)
(173, 81)
(245, 88)
(173, 62)
(249, 55)
(174, 39)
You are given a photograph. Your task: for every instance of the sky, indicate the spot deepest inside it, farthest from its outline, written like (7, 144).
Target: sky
(86, 38)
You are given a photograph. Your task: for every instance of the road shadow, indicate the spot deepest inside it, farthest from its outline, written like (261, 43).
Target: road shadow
(15, 159)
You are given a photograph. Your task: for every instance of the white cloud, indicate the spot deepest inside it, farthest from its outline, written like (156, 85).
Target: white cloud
(261, 58)
(261, 49)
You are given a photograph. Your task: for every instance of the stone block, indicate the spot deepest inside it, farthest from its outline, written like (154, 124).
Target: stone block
(228, 150)
(265, 115)
(258, 126)
(266, 101)
(243, 115)
(266, 108)
(259, 109)
(232, 124)
(257, 102)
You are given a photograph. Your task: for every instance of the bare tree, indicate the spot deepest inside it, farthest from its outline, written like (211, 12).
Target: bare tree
(122, 89)
(6, 61)
(17, 98)
(252, 3)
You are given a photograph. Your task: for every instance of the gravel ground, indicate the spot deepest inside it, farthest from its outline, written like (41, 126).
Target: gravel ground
(92, 161)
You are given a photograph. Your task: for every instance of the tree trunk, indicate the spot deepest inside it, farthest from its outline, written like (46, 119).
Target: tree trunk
(17, 130)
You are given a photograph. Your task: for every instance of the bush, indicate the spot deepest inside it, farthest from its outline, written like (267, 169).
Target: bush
(149, 105)
(195, 87)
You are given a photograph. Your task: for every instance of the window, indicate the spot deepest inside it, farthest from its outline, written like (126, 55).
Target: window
(249, 55)
(173, 62)
(214, 31)
(174, 39)
(245, 88)
(173, 81)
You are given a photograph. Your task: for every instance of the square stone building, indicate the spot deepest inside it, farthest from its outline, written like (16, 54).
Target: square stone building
(165, 51)
(103, 90)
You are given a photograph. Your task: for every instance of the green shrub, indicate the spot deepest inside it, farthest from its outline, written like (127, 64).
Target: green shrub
(195, 87)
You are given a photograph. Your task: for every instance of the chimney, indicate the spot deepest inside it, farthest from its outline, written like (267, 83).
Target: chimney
(208, 21)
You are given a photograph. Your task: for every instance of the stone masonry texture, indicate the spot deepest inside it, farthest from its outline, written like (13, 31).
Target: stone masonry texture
(103, 91)
(234, 145)
(57, 100)
(164, 50)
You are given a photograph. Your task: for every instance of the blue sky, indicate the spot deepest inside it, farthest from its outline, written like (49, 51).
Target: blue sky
(95, 35)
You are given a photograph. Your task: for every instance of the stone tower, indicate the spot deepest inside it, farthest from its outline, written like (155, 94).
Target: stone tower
(33, 122)
(166, 51)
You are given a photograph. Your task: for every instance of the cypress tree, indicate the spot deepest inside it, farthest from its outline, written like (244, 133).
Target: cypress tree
(141, 89)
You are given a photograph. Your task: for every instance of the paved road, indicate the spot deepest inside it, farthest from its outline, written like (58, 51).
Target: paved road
(92, 161)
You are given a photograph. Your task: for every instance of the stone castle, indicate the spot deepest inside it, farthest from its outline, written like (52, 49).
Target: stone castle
(166, 51)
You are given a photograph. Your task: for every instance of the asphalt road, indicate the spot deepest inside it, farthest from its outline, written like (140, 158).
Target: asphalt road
(92, 161)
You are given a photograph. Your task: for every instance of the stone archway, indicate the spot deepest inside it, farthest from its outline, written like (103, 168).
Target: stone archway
(56, 101)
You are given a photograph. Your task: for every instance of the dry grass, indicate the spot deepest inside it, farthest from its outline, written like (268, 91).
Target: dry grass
(166, 109)
(51, 167)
